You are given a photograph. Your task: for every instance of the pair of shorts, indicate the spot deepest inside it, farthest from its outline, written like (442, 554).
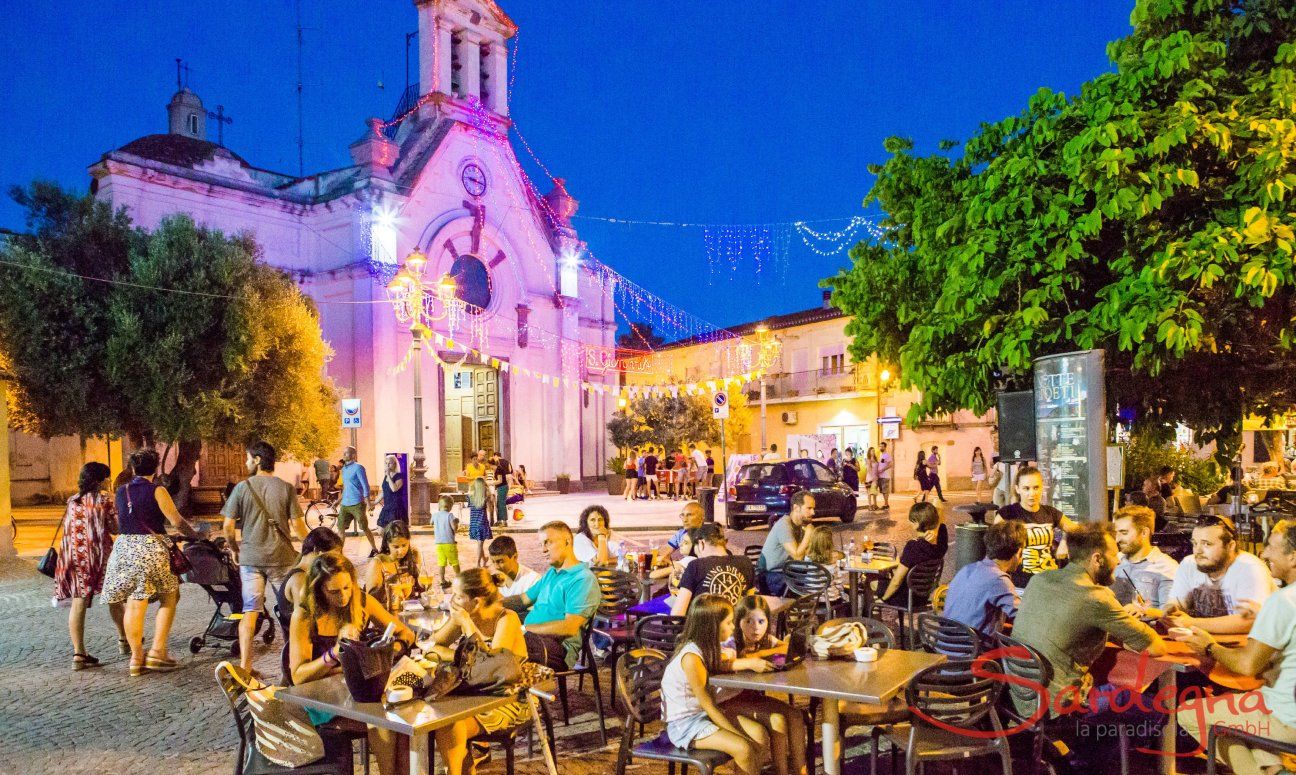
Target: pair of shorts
(139, 568)
(684, 732)
(447, 554)
(355, 513)
(254, 578)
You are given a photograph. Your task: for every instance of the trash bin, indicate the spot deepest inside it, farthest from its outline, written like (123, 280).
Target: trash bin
(969, 544)
(706, 496)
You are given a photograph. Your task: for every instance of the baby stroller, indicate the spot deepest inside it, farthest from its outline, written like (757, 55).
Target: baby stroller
(214, 570)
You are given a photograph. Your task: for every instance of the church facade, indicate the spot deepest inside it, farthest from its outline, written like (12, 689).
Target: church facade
(439, 178)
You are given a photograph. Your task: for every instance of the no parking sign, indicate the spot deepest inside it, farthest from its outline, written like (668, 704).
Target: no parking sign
(720, 405)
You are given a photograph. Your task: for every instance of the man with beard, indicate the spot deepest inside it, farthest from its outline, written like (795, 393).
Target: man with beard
(1219, 588)
(1069, 614)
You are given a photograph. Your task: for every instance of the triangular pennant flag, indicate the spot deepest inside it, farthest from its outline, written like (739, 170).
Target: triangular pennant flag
(711, 385)
(450, 343)
(674, 391)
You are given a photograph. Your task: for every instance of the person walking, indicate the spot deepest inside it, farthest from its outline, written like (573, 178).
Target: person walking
(355, 499)
(870, 476)
(502, 473)
(923, 476)
(979, 472)
(394, 506)
(933, 468)
(850, 469)
(89, 522)
(264, 508)
(479, 528)
(139, 568)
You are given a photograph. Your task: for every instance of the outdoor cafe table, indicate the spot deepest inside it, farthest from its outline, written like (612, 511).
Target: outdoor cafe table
(414, 721)
(876, 567)
(834, 682)
(1163, 671)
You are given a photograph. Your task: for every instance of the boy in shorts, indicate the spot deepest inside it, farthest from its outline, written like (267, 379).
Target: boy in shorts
(444, 526)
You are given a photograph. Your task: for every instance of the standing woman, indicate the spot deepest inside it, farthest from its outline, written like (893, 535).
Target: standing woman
(88, 526)
(139, 568)
(631, 471)
(871, 464)
(850, 470)
(979, 472)
(394, 507)
(921, 474)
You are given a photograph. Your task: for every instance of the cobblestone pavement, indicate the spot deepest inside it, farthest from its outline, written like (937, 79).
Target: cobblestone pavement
(102, 721)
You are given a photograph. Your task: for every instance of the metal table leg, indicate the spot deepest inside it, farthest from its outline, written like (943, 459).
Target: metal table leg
(829, 730)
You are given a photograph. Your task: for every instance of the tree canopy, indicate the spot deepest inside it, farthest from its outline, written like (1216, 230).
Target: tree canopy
(665, 421)
(1151, 215)
(180, 335)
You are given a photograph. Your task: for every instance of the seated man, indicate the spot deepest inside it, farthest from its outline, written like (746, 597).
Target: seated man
(513, 578)
(1145, 574)
(691, 516)
(715, 571)
(982, 594)
(788, 540)
(1220, 587)
(1068, 615)
(1270, 650)
(561, 602)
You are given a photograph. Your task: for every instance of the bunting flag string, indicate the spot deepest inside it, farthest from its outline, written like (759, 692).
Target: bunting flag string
(558, 381)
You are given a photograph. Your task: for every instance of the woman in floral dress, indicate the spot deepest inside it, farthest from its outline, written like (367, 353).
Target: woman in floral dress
(88, 527)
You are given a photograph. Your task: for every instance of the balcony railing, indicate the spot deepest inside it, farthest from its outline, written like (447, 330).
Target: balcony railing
(847, 379)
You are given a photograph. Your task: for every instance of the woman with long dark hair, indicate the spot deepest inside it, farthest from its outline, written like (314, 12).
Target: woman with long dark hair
(89, 523)
(594, 542)
(393, 576)
(923, 477)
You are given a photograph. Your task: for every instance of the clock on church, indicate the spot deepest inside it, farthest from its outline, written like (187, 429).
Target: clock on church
(474, 180)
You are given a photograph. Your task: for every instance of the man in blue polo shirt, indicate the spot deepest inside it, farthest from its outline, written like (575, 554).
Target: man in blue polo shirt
(561, 602)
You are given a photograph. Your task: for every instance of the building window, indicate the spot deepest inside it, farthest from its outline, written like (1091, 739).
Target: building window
(193, 124)
(832, 364)
(472, 283)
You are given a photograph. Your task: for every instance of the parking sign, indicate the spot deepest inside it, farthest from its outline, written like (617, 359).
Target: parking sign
(350, 413)
(720, 405)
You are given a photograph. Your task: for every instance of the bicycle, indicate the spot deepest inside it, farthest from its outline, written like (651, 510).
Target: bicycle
(321, 512)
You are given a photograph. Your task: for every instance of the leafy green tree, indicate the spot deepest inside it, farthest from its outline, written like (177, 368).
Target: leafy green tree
(174, 337)
(1150, 215)
(663, 420)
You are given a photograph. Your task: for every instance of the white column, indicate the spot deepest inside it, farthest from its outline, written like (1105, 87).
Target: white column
(427, 48)
(443, 75)
(497, 72)
(469, 51)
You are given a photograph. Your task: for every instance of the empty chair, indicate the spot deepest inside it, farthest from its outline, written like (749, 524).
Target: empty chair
(804, 577)
(660, 631)
(946, 636)
(948, 702)
(753, 553)
(798, 614)
(863, 714)
(638, 681)
(585, 665)
(919, 583)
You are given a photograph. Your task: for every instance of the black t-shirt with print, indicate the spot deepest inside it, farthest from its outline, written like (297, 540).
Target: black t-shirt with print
(727, 575)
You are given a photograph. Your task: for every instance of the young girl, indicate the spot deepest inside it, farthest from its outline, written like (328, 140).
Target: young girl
(871, 465)
(675, 570)
(980, 471)
(753, 637)
(693, 719)
(479, 528)
(823, 551)
(393, 576)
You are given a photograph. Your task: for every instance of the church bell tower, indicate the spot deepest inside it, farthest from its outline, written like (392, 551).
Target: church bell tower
(463, 51)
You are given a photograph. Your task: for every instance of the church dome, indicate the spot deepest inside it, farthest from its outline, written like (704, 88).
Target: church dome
(178, 150)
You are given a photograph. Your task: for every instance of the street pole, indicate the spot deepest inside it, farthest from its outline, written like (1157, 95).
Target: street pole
(419, 509)
(763, 446)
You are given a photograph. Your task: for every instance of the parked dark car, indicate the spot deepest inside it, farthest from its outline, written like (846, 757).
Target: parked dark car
(764, 492)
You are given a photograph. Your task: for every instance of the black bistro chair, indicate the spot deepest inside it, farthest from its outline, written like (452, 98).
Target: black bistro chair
(859, 714)
(798, 614)
(620, 592)
(920, 582)
(952, 696)
(805, 577)
(638, 682)
(585, 665)
(337, 747)
(659, 631)
(753, 553)
(955, 640)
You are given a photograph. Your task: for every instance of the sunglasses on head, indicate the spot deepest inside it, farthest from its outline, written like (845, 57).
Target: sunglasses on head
(1215, 520)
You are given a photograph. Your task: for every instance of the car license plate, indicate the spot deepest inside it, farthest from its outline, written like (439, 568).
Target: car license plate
(756, 507)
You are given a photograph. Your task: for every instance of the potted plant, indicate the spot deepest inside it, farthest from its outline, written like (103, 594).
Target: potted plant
(616, 475)
(563, 483)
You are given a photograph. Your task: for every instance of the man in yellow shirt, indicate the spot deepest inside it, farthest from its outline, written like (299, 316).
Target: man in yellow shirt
(476, 466)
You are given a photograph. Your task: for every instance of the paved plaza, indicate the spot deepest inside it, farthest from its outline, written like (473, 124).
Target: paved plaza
(102, 721)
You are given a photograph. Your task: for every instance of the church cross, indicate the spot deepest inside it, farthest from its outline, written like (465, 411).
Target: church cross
(221, 120)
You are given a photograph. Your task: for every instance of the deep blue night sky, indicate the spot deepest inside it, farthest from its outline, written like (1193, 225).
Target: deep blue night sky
(717, 112)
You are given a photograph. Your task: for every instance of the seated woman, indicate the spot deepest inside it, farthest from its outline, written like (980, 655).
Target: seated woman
(673, 571)
(931, 543)
(290, 591)
(594, 542)
(476, 608)
(334, 607)
(823, 551)
(393, 576)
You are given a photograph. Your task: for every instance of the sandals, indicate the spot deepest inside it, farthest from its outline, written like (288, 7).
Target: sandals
(137, 669)
(123, 646)
(159, 664)
(82, 661)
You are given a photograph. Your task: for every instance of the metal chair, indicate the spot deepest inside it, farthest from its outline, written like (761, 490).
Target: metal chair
(885, 550)
(620, 592)
(1022, 700)
(953, 699)
(585, 665)
(946, 636)
(659, 631)
(1222, 731)
(638, 682)
(805, 577)
(507, 738)
(337, 747)
(798, 614)
(920, 582)
(861, 714)
(753, 553)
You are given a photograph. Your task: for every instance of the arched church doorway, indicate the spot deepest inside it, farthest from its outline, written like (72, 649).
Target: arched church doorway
(473, 419)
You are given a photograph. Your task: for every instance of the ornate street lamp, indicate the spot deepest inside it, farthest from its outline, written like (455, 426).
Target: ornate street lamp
(419, 303)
